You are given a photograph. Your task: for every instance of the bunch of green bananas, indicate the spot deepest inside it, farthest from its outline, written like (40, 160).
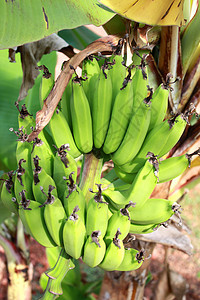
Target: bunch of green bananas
(113, 113)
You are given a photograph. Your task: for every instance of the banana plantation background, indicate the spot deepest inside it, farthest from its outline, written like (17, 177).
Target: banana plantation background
(37, 38)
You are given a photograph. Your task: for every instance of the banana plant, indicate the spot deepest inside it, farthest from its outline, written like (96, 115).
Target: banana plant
(172, 57)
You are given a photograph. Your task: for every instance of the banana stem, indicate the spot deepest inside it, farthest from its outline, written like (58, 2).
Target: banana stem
(63, 265)
(91, 174)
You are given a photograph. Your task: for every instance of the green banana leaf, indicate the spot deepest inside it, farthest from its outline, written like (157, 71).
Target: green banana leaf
(24, 21)
(78, 37)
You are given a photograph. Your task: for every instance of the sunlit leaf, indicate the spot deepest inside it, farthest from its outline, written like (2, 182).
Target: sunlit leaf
(153, 12)
(24, 21)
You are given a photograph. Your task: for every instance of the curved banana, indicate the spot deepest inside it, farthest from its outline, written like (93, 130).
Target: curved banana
(101, 108)
(121, 113)
(8, 195)
(33, 220)
(64, 165)
(154, 211)
(94, 249)
(24, 177)
(73, 197)
(41, 183)
(159, 106)
(135, 135)
(117, 74)
(62, 134)
(126, 177)
(90, 70)
(130, 261)
(169, 132)
(81, 118)
(142, 229)
(146, 177)
(97, 214)
(114, 254)
(121, 220)
(54, 215)
(74, 234)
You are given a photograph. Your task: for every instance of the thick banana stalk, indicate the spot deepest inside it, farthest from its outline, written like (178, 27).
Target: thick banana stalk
(114, 254)
(101, 108)
(33, 220)
(135, 135)
(74, 234)
(154, 211)
(121, 113)
(81, 118)
(94, 249)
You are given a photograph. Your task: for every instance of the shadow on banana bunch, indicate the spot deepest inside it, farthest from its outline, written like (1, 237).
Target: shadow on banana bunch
(111, 113)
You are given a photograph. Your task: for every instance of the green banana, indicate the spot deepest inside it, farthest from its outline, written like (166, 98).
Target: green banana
(114, 254)
(154, 211)
(23, 178)
(62, 134)
(139, 84)
(126, 177)
(101, 108)
(174, 166)
(119, 220)
(97, 213)
(65, 103)
(8, 195)
(41, 182)
(120, 117)
(74, 234)
(90, 70)
(146, 177)
(160, 140)
(159, 106)
(81, 118)
(135, 135)
(142, 229)
(94, 249)
(73, 196)
(42, 150)
(46, 86)
(109, 178)
(130, 261)
(64, 165)
(54, 215)
(117, 74)
(33, 220)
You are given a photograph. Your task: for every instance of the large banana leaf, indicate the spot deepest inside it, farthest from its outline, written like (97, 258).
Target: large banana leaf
(24, 21)
(157, 12)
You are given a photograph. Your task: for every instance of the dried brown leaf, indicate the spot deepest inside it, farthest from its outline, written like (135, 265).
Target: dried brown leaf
(170, 237)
